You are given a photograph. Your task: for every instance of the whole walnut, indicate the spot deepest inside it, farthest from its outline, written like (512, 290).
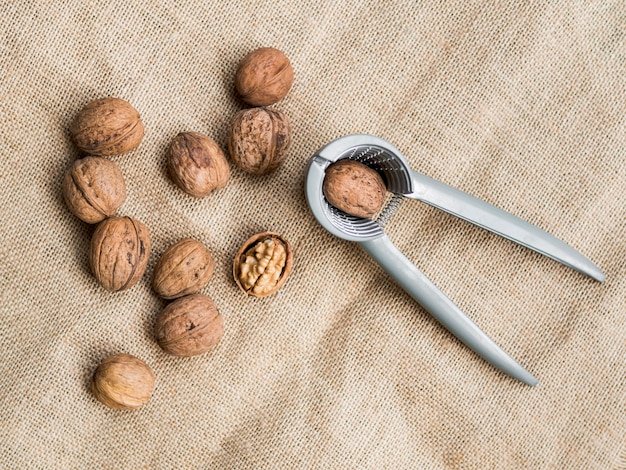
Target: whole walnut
(93, 189)
(262, 264)
(119, 252)
(183, 268)
(259, 140)
(264, 77)
(123, 382)
(189, 326)
(197, 164)
(108, 126)
(354, 188)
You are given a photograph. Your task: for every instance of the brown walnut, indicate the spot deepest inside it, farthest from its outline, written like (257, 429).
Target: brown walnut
(197, 164)
(93, 189)
(119, 252)
(183, 268)
(354, 188)
(123, 382)
(259, 140)
(189, 326)
(262, 264)
(108, 126)
(264, 77)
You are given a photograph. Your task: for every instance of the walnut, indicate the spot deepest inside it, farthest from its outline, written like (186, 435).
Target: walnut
(259, 140)
(123, 382)
(197, 164)
(264, 77)
(354, 188)
(262, 264)
(93, 189)
(119, 252)
(189, 326)
(184, 268)
(108, 126)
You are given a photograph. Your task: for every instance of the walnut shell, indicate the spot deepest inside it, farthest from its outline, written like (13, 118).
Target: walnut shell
(93, 189)
(259, 140)
(183, 268)
(197, 164)
(119, 252)
(123, 382)
(108, 126)
(262, 264)
(264, 77)
(354, 188)
(189, 326)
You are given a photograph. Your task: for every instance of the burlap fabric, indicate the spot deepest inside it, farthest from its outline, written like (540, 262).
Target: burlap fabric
(519, 103)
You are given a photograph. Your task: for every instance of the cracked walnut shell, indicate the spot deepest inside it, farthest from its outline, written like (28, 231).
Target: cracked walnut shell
(93, 189)
(189, 326)
(354, 188)
(119, 252)
(123, 382)
(259, 140)
(108, 126)
(197, 164)
(262, 264)
(264, 77)
(182, 269)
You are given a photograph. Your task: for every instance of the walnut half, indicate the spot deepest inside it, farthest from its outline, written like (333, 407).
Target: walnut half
(262, 264)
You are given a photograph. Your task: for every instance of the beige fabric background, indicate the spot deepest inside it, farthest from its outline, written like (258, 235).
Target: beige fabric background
(519, 103)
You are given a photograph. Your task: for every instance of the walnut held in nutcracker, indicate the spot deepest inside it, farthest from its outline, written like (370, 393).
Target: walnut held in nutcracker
(354, 188)
(264, 77)
(93, 189)
(123, 382)
(262, 264)
(189, 326)
(119, 252)
(108, 126)
(184, 268)
(259, 140)
(197, 164)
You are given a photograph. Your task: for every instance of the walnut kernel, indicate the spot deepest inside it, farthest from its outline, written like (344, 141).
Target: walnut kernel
(262, 264)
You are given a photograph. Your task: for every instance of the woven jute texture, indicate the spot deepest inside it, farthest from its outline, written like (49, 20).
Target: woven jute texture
(521, 104)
